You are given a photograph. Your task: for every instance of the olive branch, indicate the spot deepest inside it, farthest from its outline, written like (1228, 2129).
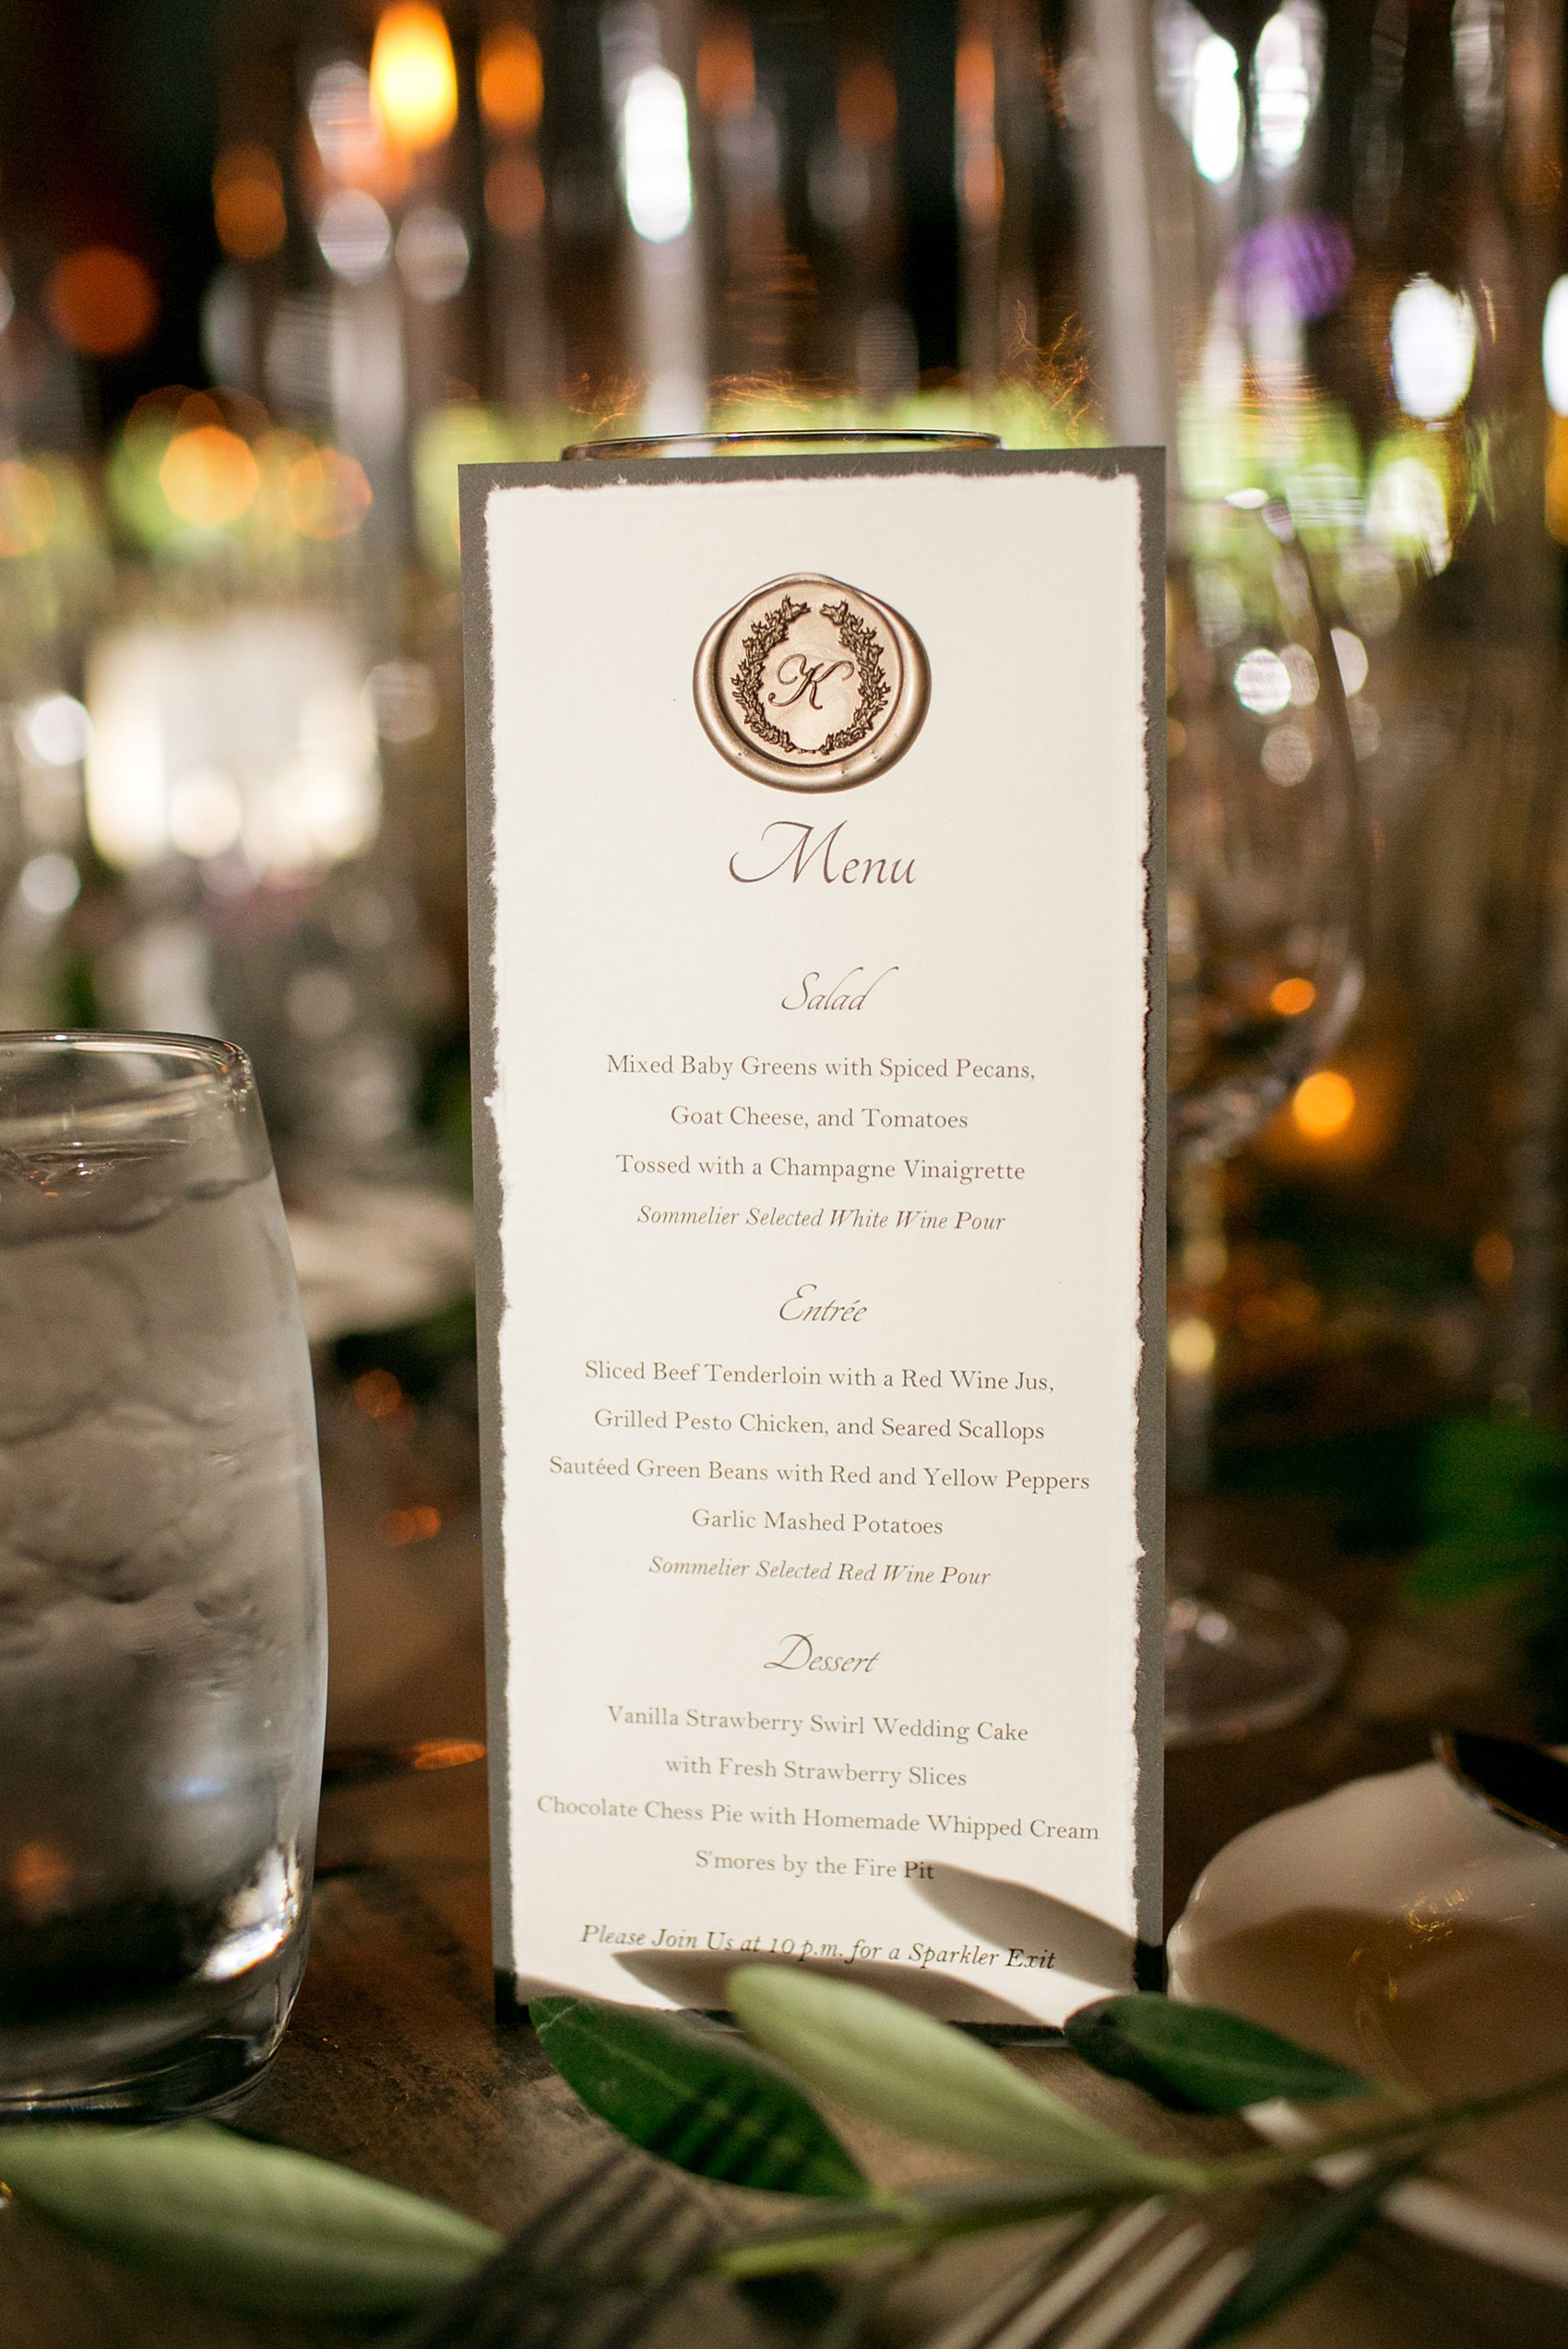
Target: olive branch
(264, 2229)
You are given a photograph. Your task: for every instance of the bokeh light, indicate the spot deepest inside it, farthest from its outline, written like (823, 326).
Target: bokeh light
(26, 507)
(328, 495)
(514, 195)
(49, 885)
(101, 301)
(378, 1393)
(448, 1753)
(420, 1522)
(1262, 682)
(205, 814)
(1407, 510)
(1557, 478)
(1554, 346)
(318, 1002)
(413, 76)
(354, 235)
(1323, 1105)
(1191, 1345)
(208, 476)
(1286, 72)
(727, 68)
(511, 80)
(56, 731)
(1287, 755)
(433, 253)
(1481, 69)
(656, 172)
(1217, 110)
(343, 121)
(1493, 1260)
(983, 185)
(974, 81)
(1432, 336)
(255, 712)
(1291, 997)
(402, 699)
(247, 203)
(868, 104)
(1301, 670)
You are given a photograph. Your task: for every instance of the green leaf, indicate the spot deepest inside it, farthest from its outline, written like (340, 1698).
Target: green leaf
(932, 2082)
(1287, 2258)
(697, 2096)
(1200, 2060)
(256, 2227)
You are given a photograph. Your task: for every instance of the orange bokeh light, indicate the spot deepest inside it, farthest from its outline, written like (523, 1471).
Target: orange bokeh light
(208, 476)
(327, 493)
(975, 81)
(40, 1881)
(983, 185)
(1323, 1105)
(447, 1753)
(27, 508)
(1557, 478)
(413, 76)
(101, 301)
(727, 68)
(868, 104)
(401, 1526)
(247, 203)
(378, 1393)
(1493, 1260)
(513, 196)
(1291, 997)
(511, 80)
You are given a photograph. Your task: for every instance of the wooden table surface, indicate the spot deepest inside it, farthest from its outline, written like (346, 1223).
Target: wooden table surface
(394, 2064)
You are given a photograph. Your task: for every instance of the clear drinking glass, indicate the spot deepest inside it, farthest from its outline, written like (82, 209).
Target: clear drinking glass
(1270, 877)
(163, 1619)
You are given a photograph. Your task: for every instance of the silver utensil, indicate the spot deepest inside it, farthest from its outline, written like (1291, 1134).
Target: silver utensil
(1521, 1782)
(1136, 2281)
(592, 2270)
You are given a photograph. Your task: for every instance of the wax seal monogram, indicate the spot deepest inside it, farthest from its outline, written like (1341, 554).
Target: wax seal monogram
(810, 684)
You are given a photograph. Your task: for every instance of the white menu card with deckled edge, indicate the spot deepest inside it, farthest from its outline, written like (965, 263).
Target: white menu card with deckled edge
(816, 825)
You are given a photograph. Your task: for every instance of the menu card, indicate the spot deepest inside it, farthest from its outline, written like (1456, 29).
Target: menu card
(818, 1085)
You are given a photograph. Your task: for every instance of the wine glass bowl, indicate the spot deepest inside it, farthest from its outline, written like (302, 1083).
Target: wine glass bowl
(1266, 856)
(1268, 886)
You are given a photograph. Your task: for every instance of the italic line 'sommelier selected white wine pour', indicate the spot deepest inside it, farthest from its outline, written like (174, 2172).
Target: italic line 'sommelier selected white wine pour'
(815, 819)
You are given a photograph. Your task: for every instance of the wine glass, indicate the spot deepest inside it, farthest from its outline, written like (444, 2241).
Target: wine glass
(1269, 871)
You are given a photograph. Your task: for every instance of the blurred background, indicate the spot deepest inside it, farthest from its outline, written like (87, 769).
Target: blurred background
(271, 271)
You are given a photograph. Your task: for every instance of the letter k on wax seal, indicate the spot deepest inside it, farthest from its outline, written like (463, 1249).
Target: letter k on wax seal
(811, 685)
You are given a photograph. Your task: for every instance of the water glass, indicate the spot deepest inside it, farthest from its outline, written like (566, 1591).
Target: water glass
(163, 1668)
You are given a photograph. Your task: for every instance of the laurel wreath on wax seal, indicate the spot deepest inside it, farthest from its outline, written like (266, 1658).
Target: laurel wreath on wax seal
(765, 635)
(858, 638)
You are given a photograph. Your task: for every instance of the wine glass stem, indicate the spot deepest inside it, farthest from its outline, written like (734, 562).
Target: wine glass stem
(1198, 1261)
